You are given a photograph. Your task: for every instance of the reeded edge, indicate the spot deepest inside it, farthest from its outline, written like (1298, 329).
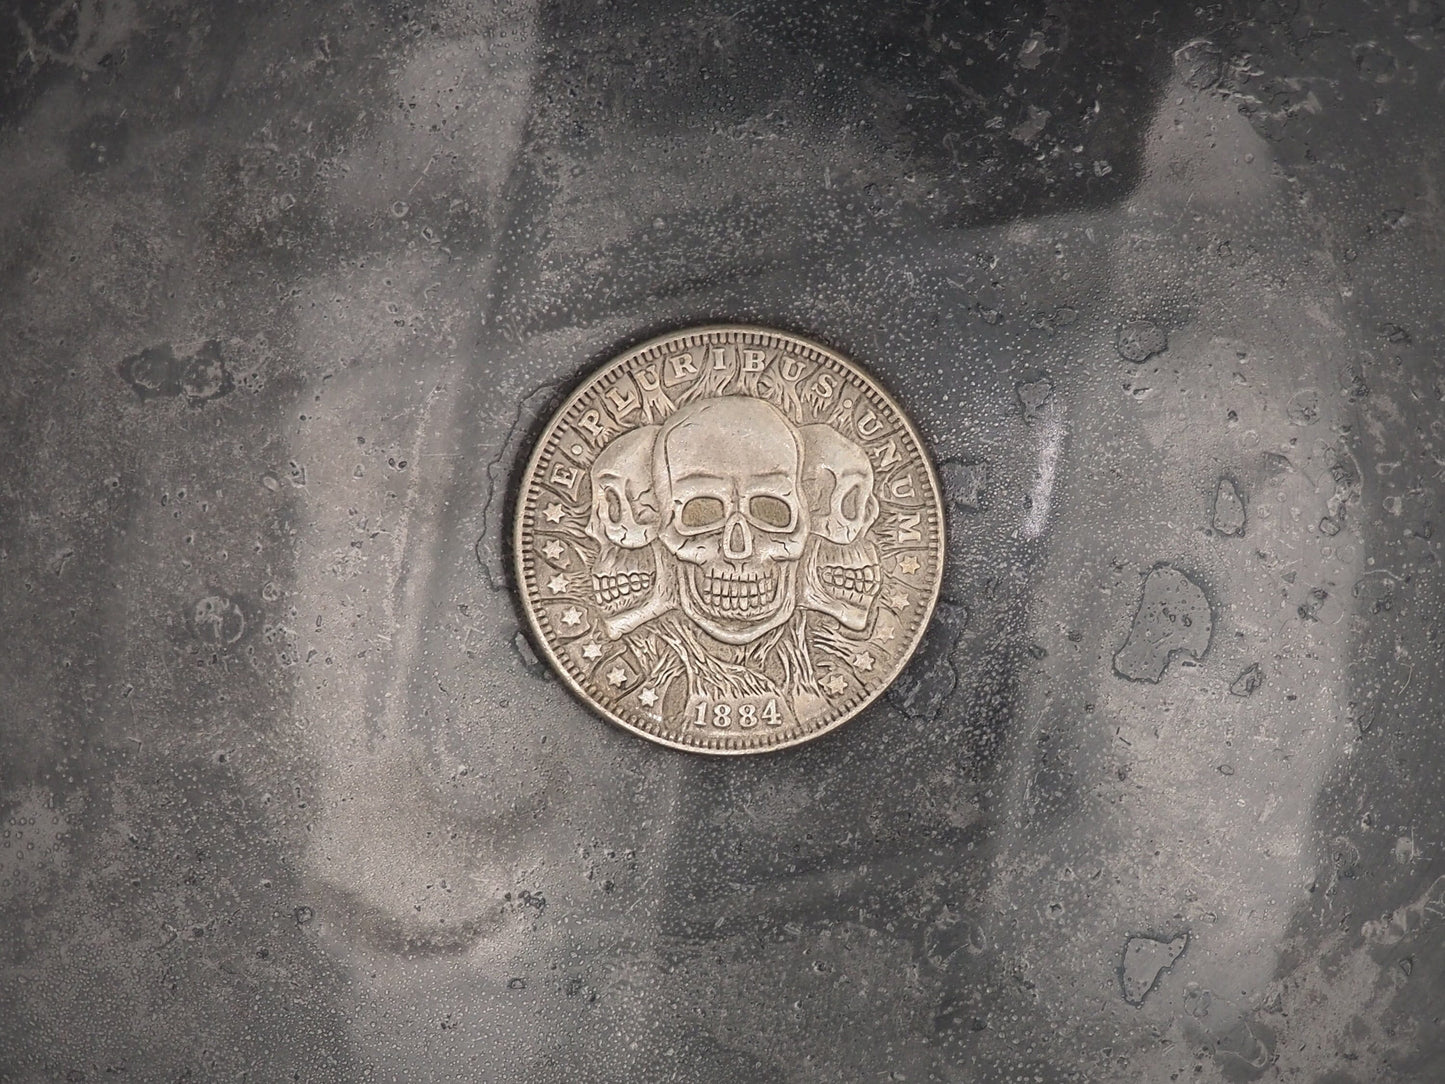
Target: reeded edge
(555, 663)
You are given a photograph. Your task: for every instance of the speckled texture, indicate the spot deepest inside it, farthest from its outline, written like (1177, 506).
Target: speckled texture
(288, 292)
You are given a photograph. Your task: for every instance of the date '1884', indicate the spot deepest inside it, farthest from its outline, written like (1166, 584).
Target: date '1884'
(744, 714)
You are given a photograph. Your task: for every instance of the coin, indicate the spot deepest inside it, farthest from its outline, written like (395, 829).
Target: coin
(729, 540)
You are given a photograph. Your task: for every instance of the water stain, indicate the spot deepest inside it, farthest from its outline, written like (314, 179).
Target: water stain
(1140, 340)
(964, 484)
(1199, 64)
(930, 678)
(1034, 397)
(157, 373)
(1229, 516)
(97, 143)
(1173, 618)
(1249, 679)
(218, 620)
(1146, 958)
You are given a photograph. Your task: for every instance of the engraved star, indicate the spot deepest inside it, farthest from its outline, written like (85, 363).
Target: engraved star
(618, 675)
(557, 584)
(835, 684)
(572, 616)
(592, 650)
(908, 565)
(648, 697)
(885, 634)
(863, 661)
(898, 600)
(554, 550)
(553, 512)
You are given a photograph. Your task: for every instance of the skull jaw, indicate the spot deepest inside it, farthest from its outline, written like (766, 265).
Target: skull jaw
(843, 581)
(743, 623)
(631, 587)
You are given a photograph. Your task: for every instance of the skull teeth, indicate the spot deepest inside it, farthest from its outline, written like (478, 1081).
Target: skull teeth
(617, 590)
(740, 593)
(858, 585)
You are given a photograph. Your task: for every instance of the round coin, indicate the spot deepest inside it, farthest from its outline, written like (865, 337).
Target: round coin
(729, 540)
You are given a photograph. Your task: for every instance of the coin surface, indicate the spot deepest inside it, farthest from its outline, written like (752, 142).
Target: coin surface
(729, 540)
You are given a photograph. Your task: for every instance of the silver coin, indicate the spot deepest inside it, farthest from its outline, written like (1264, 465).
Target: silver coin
(729, 540)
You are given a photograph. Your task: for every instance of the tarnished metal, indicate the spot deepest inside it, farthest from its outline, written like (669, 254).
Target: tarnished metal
(729, 540)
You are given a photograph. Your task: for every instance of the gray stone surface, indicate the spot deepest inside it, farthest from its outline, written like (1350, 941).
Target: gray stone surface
(287, 291)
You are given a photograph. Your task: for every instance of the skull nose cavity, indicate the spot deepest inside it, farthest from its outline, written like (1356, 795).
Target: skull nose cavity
(737, 540)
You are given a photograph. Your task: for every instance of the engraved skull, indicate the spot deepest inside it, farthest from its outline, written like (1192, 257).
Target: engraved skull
(733, 513)
(841, 575)
(629, 581)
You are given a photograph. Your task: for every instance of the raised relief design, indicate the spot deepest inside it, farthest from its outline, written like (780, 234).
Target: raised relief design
(731, 470)
(729, 540)
(632, 580)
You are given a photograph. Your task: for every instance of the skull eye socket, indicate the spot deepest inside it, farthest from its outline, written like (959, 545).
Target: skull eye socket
(771, 512)
(702, 512)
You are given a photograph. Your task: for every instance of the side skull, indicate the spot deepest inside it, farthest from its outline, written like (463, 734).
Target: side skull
(734, 515)
(841, 571)
(632, 578)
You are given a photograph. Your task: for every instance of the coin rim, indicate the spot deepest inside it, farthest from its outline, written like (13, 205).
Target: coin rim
(587, 382)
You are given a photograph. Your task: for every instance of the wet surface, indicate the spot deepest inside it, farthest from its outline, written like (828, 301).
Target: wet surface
(285, 792)
(1173, 619)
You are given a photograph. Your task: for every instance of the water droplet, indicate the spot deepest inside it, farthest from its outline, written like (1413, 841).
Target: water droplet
(1145, 960)
(1140, 340)
(930, 678)
(1199, 64)
(1304, 407)
(964, 484)
(1249, 679)
(1034, 397)
(1309, 610)
(1229, 512)
(1173, 618)
(217, 619)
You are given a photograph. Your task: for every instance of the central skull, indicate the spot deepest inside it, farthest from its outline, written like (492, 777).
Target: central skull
(731, 470)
